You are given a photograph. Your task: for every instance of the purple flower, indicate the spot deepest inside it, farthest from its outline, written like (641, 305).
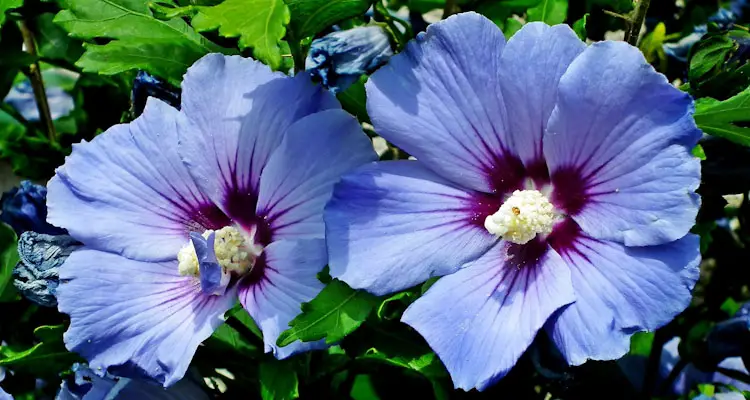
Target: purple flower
(340, 58)
(89, 386)
(553, 187)
(249, 160)
(24, 209)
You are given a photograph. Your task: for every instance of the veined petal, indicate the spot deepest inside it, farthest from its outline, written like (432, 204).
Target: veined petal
(236, 112)
(531, 66)
(619, 291)
(128, 192)
(299, 177)
(609, 142)
(440, 100)
(137, 314)
(274, 294)
(392, 225)
(480, 319)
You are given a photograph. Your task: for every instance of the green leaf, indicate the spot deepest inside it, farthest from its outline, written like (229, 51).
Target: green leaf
(363, 388)
(354, 99)
(511, 26)
(46, 358)
(7, 5)
(580, 27)
(237, 338)
(709, 54)
(8, 260)
(278, 380)
(309, 17)
(137, 40)
(427, 364)
(551, 12)
(334, 313)
(54, 42)
(727, 119)
(500, 11)
(640, 343)
(12, 57)
(260, 25)
(730, 306)
(698, 152)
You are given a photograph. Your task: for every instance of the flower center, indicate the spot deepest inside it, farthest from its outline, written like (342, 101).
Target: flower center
(524, 214)
(234, 252)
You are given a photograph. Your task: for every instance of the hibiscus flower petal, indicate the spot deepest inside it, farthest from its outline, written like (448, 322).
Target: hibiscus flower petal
(236, 114)
(273, 294)
(609, 142)
(392, 225)
(137, 315)
(480, 319)
(440, 100)
(128, 192)
(622, 290)
(299, 177)
(531, 66)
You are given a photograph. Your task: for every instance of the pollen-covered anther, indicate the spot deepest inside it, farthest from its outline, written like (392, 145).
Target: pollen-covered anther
(235, 252)
(525, 214)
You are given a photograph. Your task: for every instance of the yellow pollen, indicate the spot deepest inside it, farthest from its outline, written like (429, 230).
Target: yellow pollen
(234, 252)
(525, 214)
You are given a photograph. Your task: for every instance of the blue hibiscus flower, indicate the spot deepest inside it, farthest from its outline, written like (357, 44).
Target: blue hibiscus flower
(553, 189)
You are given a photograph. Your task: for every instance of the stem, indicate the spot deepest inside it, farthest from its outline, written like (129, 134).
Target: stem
(37, 84)
(390, 26)
(652, 367)
(673, 374)
(639, 14)
(737, 375)
(449, 9)
(296, 50)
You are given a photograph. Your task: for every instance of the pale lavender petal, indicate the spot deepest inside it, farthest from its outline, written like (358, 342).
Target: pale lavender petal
(531, 66)
(392, 225)
(236, 112)
(619, 149)
(480, 319)
(139, 315)
(619, 291)
(284, 278)
(299, 177)
(440, 100)
(128, 192)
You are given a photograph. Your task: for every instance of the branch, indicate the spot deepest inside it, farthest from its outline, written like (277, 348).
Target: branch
(37, 84)
(639, 14)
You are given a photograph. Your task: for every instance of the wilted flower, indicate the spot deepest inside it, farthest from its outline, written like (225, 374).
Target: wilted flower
(554, 187)
(340, 58)
(247, 164)
(87, 385)
(24, 209)
(37, 274)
